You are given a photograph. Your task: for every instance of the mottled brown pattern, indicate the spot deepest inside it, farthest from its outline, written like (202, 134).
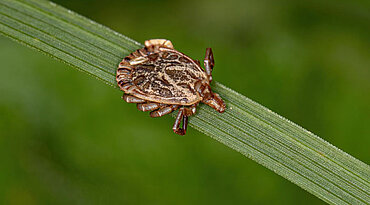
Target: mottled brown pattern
(163, 75)
(171, 56)
(184, 60)
(139, 80)
(161, 80)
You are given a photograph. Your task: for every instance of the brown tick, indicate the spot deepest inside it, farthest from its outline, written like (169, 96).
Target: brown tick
(161, 79)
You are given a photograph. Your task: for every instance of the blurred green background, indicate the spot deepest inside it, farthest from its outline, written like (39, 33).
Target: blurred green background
(67, 138)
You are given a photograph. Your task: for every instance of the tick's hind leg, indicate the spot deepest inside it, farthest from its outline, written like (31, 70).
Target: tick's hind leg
(183, 115)
(180, 117)
(164, 111)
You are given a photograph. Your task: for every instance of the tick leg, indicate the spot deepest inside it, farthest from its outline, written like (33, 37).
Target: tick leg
(158, 42)
(215, 101)
(183, 115)
(132, 99)
(176, 126)
(164, 111)
(193, 109)
(147, 106)
(209, 63)
(210, 98)
(185, 121)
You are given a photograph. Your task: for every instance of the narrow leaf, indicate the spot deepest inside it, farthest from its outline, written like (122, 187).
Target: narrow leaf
(247, 127)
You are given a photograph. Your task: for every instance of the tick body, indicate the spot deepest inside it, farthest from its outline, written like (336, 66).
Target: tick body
(160, 79)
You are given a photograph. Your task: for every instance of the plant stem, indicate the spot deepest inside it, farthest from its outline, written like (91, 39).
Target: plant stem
(247, 127)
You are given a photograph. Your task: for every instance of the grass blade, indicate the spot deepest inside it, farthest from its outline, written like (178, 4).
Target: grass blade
(249, 128)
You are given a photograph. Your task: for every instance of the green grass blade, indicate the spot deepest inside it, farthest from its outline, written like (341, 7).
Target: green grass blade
(249, 128)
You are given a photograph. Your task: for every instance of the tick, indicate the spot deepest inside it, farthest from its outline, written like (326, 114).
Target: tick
(161, 79)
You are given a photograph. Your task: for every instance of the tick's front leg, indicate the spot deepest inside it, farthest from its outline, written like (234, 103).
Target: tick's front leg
(209, 62)
(215, 101)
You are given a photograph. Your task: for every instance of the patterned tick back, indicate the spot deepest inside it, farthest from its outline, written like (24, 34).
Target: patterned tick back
(160, 79)
(161, 75)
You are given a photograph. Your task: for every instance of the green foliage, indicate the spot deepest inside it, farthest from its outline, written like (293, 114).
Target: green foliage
(249, 128)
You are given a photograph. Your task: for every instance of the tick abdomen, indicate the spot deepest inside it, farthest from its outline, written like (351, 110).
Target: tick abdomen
(161, 79)
(168, 75)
